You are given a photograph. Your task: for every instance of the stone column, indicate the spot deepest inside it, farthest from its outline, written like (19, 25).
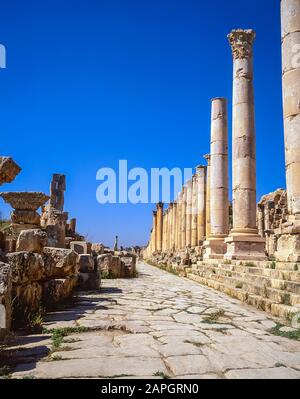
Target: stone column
(194, 235)
(288, 246)
(214, 245)
(201, 204)
(174, 212)
(244, 241)
(207, 206)
(183, 218)
(164, 232)
(154, 232)
(178, 222)
(159, 233)
(171, 223)
(189, 203)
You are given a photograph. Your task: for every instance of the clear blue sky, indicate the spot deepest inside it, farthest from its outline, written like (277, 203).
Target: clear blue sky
(91, 82)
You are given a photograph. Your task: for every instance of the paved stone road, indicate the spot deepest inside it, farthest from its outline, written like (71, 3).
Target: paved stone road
(159, 325)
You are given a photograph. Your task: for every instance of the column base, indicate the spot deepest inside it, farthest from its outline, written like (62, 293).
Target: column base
(214, 248)
(245, 247)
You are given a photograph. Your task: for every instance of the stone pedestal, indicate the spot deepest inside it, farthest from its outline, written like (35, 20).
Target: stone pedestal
(214, 246)
(244, 241)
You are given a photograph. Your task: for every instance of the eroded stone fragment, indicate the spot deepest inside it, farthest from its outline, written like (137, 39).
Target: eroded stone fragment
(59, 262)
(33, 240)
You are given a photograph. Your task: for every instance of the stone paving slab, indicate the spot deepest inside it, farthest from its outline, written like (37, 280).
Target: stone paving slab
(156, 326)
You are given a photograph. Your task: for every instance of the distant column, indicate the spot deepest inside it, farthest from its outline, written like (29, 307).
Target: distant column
(174, 226)
(178, 222)
(154, 247)
(159, 233)
(207, 207)
(194, 240)
(215, 246)
(183, 218)
(189, 202)
(201, 204)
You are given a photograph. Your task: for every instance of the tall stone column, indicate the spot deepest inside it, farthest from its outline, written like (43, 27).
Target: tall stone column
(194, 237)
(189, 203)
(167, 228)
(214, 245)
(288, 246)
(170, 226)
(207, 206)
(159, 233)
(174, 211)
(178, 223)
(154, 232)
(183, 218)
(164, 232)
(244, 241)
(201, 204)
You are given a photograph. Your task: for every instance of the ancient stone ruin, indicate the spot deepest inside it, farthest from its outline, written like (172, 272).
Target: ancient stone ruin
(42, 257)
(250, 251)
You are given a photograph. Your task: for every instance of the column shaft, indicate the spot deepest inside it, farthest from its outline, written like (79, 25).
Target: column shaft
(201, 204)
(194, 239)
(215, 246)
(189, 201)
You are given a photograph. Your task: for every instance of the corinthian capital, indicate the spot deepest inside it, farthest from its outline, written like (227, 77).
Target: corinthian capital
(241, 42)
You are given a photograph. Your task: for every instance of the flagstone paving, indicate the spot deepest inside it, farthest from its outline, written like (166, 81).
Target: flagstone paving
(157, 326)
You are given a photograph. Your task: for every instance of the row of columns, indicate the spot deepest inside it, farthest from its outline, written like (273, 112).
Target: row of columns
(201, 211)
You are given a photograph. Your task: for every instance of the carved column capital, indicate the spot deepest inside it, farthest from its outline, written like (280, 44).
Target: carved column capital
(241, 42)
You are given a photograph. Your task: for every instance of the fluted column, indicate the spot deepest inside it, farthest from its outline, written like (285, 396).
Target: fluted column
(201, 204)
(159, 232)
(183, 218)
(207, 207)
(194, 240)
(214, 245)
(244, 241)
(189, 202)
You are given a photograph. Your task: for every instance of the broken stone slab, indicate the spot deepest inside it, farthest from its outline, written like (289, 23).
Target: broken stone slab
(89, 281)
(60, 263)
(86, 263)
(8, 170)
(33, 240)
(27, 297)
(81, 247)
(104, 262)
(58, 290)
(5, 299)
(26, 267)
(97, 249)
(26, 217)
